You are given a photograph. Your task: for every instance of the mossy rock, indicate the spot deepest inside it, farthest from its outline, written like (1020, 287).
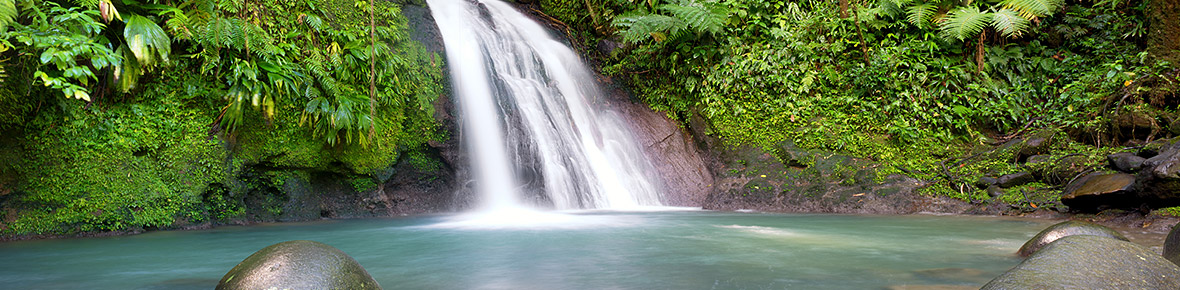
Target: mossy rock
(298, 265)
(1090, 262)
(1064, 229)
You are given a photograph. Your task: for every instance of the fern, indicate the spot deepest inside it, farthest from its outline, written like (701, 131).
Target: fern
(921, 14)
(8, 14)
(1008, 23)
(642, 27)
(703, 17)
(1032, 9)
(964, 22)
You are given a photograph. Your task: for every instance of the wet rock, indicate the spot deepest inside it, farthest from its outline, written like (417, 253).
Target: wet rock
(995, 191)
(1125, 161)
(1097, 191)
(931, 287)
(298, 265)
(1135, 125)
(1064, 229)
(1015, 179)
(985, 182)
(1091, 262)
(1172, 245)
(953, 274)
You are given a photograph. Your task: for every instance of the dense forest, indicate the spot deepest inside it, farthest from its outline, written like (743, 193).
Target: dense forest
(125, 114)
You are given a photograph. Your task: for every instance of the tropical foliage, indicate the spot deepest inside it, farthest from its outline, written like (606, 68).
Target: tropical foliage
(145, 114)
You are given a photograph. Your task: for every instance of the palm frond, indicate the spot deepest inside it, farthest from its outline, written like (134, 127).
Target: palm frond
(8, 13)
(921, 14)
(147, 41)
(964, 22)
(1009, 23)
(1032, 9)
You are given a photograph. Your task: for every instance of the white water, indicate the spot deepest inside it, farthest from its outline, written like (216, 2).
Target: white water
(536, 136)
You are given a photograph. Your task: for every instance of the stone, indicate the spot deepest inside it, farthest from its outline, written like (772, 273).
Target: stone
(1160, 176)
(1065, 229)
(1096, 191)
(1065, 169)
(298, 265)
(985, 182)
(1035, 159)
(1125, 161)
(1090, 262)
(995, 191)
(1172, 245)
(1015, 179)
(1038, 144)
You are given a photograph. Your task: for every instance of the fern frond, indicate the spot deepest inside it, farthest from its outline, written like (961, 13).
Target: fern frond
(888, 8)
(8, 13)
(1009, 23)
(964, 22)
(704, 17)
(1032, 9)
(921, 14)
(641, 27)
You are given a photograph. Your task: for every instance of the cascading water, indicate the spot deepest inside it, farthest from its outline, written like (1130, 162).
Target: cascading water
(530, 122)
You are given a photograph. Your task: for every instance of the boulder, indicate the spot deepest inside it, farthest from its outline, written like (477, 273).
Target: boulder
(1090, 262)
(1125, 161)
(1036, 159)
(985, 182)
(1065, 169)
(1096, 191)
(298, 265)
(1160, 176)
(1172, 245)
(1015, 179)
(995, 191)
(1065, 229)
(1038, 144)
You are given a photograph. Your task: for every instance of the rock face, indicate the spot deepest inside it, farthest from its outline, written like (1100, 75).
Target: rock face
(1097, 190)
(298, 265)
(1172, 245)
(1065, 229)
(1091, 262)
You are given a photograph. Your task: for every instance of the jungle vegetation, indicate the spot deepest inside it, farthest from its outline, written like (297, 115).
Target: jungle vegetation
(140, 114)
(915, 84)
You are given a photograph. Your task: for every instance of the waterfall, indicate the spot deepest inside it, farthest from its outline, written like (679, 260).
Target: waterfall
(537, 133)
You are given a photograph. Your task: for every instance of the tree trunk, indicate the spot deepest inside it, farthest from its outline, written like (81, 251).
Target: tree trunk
(1163, 30)
(844, 8)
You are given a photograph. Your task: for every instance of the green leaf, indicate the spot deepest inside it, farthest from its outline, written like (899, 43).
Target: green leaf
(1032, 9)
(147, 41)
(921, 14)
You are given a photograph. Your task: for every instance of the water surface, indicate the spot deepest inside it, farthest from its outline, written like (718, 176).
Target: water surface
(588, 250)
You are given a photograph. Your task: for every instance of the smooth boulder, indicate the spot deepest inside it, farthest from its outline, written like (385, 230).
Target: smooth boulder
(298, 265)
(1091, 262)
(1172, 245)
(1065, 229)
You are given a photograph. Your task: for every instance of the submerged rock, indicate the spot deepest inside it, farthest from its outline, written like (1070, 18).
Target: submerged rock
(298, 265)
(1091, 262)
(1172, 245)
(1064, 229)
(1098, 190)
